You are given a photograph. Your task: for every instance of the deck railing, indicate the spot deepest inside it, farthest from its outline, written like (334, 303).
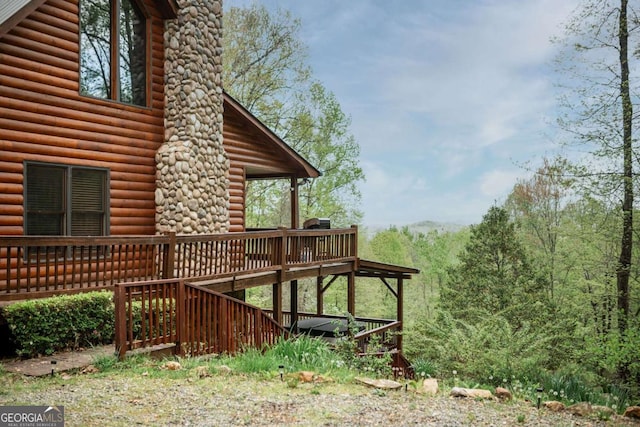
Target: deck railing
(198, 321)
(385, 337)
(369, 323)
(43, 266)
(148, 313)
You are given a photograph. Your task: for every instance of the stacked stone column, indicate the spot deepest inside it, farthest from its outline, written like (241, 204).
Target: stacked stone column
(192, 193)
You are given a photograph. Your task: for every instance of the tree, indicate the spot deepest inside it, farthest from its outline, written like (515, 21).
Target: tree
(538, 206)
(494, 275)
(602, 117)
(265, 69)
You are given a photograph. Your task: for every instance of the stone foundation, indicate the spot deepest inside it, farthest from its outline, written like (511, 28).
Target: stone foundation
(192, 184)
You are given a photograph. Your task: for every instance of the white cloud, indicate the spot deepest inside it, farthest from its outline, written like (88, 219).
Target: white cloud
(445, 95)
(498, 183)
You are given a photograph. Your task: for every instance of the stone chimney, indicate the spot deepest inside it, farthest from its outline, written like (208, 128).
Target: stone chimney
(192, 185)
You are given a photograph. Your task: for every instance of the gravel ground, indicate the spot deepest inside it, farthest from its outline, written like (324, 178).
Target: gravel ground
(236, 400)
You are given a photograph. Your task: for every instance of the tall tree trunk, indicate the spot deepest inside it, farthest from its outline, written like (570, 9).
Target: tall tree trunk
(624, 263)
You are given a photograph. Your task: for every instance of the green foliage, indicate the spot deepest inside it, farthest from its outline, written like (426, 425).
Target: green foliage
(306, 353)
(47, 325)
(375, 362)
(573, 387)
(252, 360)
(604, 355)
(303, 353)
(486, 346)
(424, 368)
(266, 70)
(494, 274)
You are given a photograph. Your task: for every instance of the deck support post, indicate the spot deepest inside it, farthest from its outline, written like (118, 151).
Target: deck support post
(294, 307)
(277, 302)
(295, 211)
(351, 293)
(319, 296)
(400, 309)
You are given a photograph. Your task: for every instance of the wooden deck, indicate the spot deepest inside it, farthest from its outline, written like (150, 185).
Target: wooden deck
(198, 321)
(169, 289)
(37, 266)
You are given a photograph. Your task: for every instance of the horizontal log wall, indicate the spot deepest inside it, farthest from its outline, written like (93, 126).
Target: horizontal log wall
(44, 118)
(247, 150)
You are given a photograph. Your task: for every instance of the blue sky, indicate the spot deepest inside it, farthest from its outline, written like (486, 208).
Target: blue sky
(448, 98)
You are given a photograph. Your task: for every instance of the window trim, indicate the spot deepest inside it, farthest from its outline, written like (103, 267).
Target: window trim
(114, 66)
(67, 209)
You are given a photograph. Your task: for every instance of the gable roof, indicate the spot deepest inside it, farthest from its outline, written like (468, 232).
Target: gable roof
(14, 11)
(301, 165)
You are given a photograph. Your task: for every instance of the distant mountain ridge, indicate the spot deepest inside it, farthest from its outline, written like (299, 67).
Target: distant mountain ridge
(423, 227)
(427, 226)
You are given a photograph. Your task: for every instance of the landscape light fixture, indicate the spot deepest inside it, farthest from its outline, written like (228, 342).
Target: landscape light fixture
(539, 390)
(281, 369)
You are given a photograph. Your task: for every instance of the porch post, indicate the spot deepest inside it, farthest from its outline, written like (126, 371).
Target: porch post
(399, 315)
(294, 306)
(295, 211)
(277, 302)
(351, 293)
(319, 296)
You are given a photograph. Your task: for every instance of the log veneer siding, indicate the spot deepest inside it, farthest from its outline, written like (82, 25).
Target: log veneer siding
(248, 151)
(44, 118)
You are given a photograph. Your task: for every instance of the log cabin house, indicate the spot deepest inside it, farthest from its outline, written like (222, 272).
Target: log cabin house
(123, 166)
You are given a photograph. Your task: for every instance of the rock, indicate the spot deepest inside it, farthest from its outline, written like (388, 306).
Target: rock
(173, 366)
(224, 369)
(91, 369)
(201, 372)
(475, 393)
(503, 393)
(430, 386)
(193, 145)
(306, 376)
(381, 384)
(581, 409)
(632, 412)
(602, 410)
(554, 406)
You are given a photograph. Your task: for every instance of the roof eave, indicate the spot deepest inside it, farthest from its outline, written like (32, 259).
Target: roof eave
(11, 21)
(168, 9)
(306, 169)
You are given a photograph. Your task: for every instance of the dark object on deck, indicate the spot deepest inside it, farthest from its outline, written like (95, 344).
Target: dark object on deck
(323, 327)
(317, 224)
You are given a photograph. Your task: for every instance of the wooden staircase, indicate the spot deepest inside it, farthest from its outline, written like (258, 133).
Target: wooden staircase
(190, 320)
(197, 320)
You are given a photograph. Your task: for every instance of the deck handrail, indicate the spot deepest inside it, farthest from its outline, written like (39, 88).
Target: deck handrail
(47, 265)
(218, 324)
(386, 334)
(148, 313)
(370, 323)
(196, 320)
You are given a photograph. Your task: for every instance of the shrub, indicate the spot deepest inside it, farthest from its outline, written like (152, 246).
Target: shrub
(47, 325)
(424, 368)
(304, 352)
(488, 346)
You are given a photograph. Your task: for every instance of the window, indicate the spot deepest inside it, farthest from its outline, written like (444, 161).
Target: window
(65, 200)
(113, 50)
